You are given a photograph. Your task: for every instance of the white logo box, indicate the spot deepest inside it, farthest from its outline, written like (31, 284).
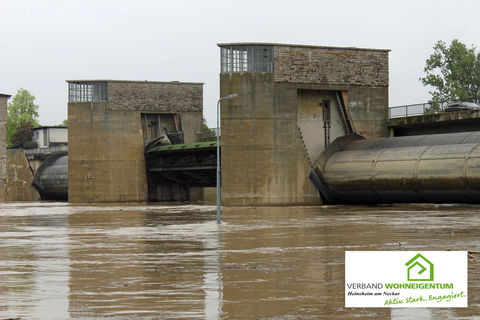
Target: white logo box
(406, 279)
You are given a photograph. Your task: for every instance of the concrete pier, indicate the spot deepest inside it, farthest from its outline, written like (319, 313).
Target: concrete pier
(3, 146)
(292, 101)
(109, 122)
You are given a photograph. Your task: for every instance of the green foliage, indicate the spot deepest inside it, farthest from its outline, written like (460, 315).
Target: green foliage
(454, 73)
(63, 124)
(21, 110)
(207, 133)
(23, 135)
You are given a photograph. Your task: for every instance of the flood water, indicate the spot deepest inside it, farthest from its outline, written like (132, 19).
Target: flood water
(60, 261)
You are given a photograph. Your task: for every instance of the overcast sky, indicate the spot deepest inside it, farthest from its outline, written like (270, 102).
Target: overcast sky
(47, 42)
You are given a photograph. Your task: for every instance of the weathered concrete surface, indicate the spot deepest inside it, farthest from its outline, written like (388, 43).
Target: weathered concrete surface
(3, 147)
(310, 120)
(105, 156)
(19, 177)
(263, 157)
(273, 130)
(444, 122)
(106, 160)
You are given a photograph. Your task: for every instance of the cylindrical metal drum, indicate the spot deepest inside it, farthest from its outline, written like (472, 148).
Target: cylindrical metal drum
(439, 168)
(51, 178)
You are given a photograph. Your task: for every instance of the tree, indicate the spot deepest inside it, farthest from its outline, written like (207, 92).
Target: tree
(23, 135)
(454, 73)
(21, 109)
(208, 134)
(63, 124)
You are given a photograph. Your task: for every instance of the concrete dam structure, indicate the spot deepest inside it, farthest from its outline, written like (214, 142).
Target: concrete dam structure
(135, 141)
(293, 100)
(438, 168)
(110, 121)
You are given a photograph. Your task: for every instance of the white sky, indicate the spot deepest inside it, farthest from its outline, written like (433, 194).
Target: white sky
(47, 42)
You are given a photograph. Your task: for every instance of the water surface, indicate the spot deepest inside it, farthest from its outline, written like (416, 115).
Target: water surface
(61, 261)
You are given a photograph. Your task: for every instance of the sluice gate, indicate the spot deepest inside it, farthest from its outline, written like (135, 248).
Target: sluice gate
(438, 168)
(51, 178)
(174, 169)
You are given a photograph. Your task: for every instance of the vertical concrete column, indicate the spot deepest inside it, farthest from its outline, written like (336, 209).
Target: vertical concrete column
(3, 147)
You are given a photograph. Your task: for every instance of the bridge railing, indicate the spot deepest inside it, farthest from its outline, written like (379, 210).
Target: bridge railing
(46, 151)
(421, 108)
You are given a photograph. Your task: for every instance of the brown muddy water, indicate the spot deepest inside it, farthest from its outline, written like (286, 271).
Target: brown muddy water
(60, 261)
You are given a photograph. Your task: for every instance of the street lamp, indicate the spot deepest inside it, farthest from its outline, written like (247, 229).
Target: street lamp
(230, 96)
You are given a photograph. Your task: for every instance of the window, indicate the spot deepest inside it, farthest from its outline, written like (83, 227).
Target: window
(87, 92)
(155, 125)
(246, 59)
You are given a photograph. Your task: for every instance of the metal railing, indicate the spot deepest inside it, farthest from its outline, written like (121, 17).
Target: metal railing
(48, 150)
(422, 108)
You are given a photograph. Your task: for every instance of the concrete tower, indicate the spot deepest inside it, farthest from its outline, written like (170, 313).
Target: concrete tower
(293, 100)
(109, 122)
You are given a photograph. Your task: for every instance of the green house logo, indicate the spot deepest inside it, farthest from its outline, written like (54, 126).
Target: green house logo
(419, 269)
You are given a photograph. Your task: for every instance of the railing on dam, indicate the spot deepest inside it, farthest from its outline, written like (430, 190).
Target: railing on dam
(44, 152)
(430, 108)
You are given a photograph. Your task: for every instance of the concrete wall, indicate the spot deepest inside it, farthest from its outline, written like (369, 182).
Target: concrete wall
(57, 136)
(3, 147)
(310, 120)
(361, 73)
(273, 132)
(263, 158)
(105, 154)
(106, 160)
(443, 122)
(19, 178)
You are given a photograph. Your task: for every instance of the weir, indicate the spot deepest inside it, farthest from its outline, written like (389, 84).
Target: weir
(137, 141)
(438, 168)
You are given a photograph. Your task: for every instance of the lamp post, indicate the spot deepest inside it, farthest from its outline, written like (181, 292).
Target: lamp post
(219, 208)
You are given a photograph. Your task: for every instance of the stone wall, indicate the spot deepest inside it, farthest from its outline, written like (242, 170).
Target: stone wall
(155, 96)
(328, 65)
(3, 149)
(362, 74)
